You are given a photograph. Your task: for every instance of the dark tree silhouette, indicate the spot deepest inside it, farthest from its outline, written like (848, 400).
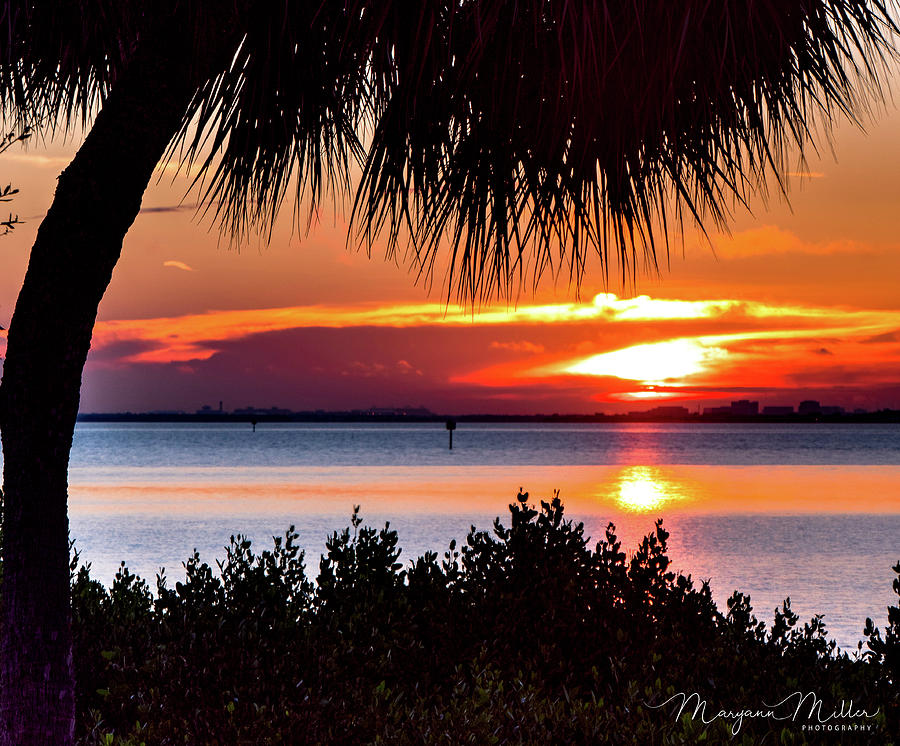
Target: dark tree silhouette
(516, 137)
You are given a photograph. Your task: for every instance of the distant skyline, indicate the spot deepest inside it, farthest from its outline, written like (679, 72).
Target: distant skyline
(736, 408)
(799, 302)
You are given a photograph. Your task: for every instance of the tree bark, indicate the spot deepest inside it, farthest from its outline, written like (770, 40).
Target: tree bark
(77, 246)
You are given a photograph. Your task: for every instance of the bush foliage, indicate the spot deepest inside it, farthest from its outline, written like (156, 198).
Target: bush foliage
(524, 635)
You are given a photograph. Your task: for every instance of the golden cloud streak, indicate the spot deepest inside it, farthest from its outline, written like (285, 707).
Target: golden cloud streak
(770, 239)
(175, 264)
(196, 336)
(679, 359)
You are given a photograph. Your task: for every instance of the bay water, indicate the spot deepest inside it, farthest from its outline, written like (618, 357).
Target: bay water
(806, 511)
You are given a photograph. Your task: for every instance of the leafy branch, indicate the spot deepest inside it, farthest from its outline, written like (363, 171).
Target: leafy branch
(7, 192)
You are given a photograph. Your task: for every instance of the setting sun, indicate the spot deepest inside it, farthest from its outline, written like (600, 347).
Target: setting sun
(652, 363)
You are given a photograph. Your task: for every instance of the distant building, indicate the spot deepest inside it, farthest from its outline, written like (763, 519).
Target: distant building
(745, 408)
(741, 408)
(812, 407)
(206, 409)
(399, 412)
(270, 411)
(717, 410)
(667, 412)
(778, 411)
(809, 406)
(417, 412)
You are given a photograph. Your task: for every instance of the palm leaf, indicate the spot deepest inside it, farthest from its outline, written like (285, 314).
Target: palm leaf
(546, 130)
(515, 136)
(59, 59)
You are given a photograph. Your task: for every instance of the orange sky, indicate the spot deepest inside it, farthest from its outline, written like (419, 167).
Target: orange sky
(801, 301)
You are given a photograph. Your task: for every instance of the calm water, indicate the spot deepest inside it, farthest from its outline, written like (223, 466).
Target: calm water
(278, 445)
(806, 511)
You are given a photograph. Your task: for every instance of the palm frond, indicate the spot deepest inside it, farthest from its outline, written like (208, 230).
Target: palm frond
(286, 110)
(516, 136)
(59, 59)
(527, 134)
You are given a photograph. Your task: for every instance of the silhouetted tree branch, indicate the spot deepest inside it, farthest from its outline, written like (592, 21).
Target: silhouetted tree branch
(7, 192)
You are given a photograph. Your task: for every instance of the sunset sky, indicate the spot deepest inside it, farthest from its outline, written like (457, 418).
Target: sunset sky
(800, 301)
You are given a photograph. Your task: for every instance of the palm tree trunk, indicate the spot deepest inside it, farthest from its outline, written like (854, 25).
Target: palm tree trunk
(77, 247)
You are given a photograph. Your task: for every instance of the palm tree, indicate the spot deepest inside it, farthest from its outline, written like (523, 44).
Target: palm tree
(515, 137)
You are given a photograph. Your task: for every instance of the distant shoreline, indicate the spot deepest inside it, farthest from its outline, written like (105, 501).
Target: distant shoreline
(884, 416)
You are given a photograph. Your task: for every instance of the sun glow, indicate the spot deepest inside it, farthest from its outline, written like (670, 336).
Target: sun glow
(649, 395)
(652, 363)
(642, 489)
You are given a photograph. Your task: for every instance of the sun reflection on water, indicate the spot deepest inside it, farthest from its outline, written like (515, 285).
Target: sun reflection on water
(642, 489)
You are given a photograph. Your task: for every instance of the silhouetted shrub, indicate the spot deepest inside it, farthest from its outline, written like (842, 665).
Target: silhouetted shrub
(524, 635)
